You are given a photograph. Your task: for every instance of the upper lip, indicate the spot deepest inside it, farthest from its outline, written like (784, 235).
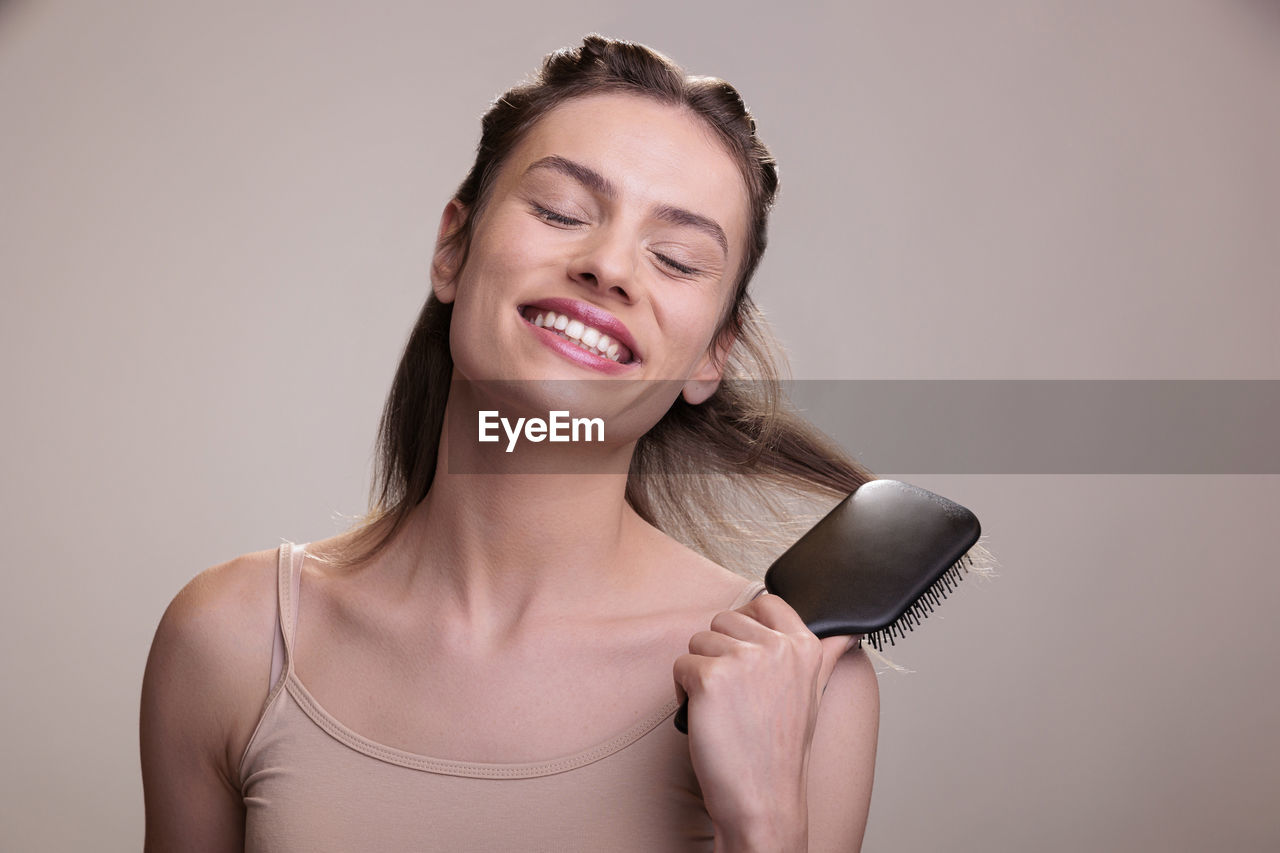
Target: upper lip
(592, 316)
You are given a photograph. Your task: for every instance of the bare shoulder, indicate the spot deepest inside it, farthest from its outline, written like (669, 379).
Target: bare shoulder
(851, 702)
(210, 660)
(843, 757)
(690, 577)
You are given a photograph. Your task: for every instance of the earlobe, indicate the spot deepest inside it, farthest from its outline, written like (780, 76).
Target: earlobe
(698, 391)
(706, 378)
(446, 262)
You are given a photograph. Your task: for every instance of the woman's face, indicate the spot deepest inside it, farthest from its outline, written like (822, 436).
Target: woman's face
(622, 222)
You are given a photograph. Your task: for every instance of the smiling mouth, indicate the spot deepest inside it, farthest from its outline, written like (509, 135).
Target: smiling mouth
(575, 331)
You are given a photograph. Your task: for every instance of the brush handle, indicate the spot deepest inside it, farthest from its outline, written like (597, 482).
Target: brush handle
(682, 717)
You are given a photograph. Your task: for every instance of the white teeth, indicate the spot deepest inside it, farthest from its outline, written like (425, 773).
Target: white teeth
(577, 332)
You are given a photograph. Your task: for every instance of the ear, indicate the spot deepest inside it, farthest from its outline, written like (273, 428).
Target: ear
(446, 262)
(710, 370)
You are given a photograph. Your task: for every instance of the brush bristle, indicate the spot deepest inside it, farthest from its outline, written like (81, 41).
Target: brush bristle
(922, 606)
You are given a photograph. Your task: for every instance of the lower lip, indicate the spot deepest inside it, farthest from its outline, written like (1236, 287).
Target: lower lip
(576, 353)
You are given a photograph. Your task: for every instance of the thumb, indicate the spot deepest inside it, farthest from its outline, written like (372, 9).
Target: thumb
(833, 648)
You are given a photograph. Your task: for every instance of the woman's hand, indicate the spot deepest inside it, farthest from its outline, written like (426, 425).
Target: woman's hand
(754, 682)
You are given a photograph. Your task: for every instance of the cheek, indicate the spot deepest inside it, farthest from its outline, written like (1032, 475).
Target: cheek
(508, 258)
(709, 313)
(695, 339)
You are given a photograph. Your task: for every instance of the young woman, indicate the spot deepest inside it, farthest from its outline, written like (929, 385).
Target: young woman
(491, 660)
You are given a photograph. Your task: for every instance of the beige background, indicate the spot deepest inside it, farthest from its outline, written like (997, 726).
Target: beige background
(215, 221)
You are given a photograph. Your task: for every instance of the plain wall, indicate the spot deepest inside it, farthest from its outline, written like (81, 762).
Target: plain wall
(215, 226)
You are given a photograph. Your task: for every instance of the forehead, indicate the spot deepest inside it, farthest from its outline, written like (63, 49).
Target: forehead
(656, 154)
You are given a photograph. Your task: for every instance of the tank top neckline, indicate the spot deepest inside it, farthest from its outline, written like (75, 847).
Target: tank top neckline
(340, 732)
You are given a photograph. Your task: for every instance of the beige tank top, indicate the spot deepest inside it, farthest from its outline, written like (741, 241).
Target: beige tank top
(310, 783)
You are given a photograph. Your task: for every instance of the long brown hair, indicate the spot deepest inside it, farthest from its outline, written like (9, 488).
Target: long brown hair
(723, 476)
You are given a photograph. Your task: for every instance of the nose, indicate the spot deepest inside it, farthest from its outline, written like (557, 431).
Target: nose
(607, 261)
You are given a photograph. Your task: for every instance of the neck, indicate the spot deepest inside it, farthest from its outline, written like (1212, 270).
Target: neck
(502, 538)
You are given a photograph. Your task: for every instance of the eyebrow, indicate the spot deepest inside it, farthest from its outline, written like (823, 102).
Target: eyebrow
(599, 184)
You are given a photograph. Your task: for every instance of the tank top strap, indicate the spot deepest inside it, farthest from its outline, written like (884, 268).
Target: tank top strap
(749, 592)
(288, 582)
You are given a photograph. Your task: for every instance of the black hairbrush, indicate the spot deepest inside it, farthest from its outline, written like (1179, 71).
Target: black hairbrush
(876, 565)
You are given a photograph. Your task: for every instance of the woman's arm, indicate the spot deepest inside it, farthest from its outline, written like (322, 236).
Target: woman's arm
(206, 678)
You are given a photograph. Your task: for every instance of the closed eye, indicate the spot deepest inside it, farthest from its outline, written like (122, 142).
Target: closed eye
(562, 220)
(553, 217)
(675, 265)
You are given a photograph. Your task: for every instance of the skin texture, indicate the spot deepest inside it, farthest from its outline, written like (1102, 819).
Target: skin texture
(515, 591)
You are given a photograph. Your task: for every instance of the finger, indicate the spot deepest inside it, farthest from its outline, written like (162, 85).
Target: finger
(741, 626)
(774, 613)
(681, 695)
(833, 648)
(713, 644)
(689, 672)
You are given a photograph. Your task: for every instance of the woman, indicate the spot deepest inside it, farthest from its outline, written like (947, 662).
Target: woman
(487, 662)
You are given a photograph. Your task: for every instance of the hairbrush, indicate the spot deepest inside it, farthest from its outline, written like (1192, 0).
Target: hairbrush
(876, 565)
